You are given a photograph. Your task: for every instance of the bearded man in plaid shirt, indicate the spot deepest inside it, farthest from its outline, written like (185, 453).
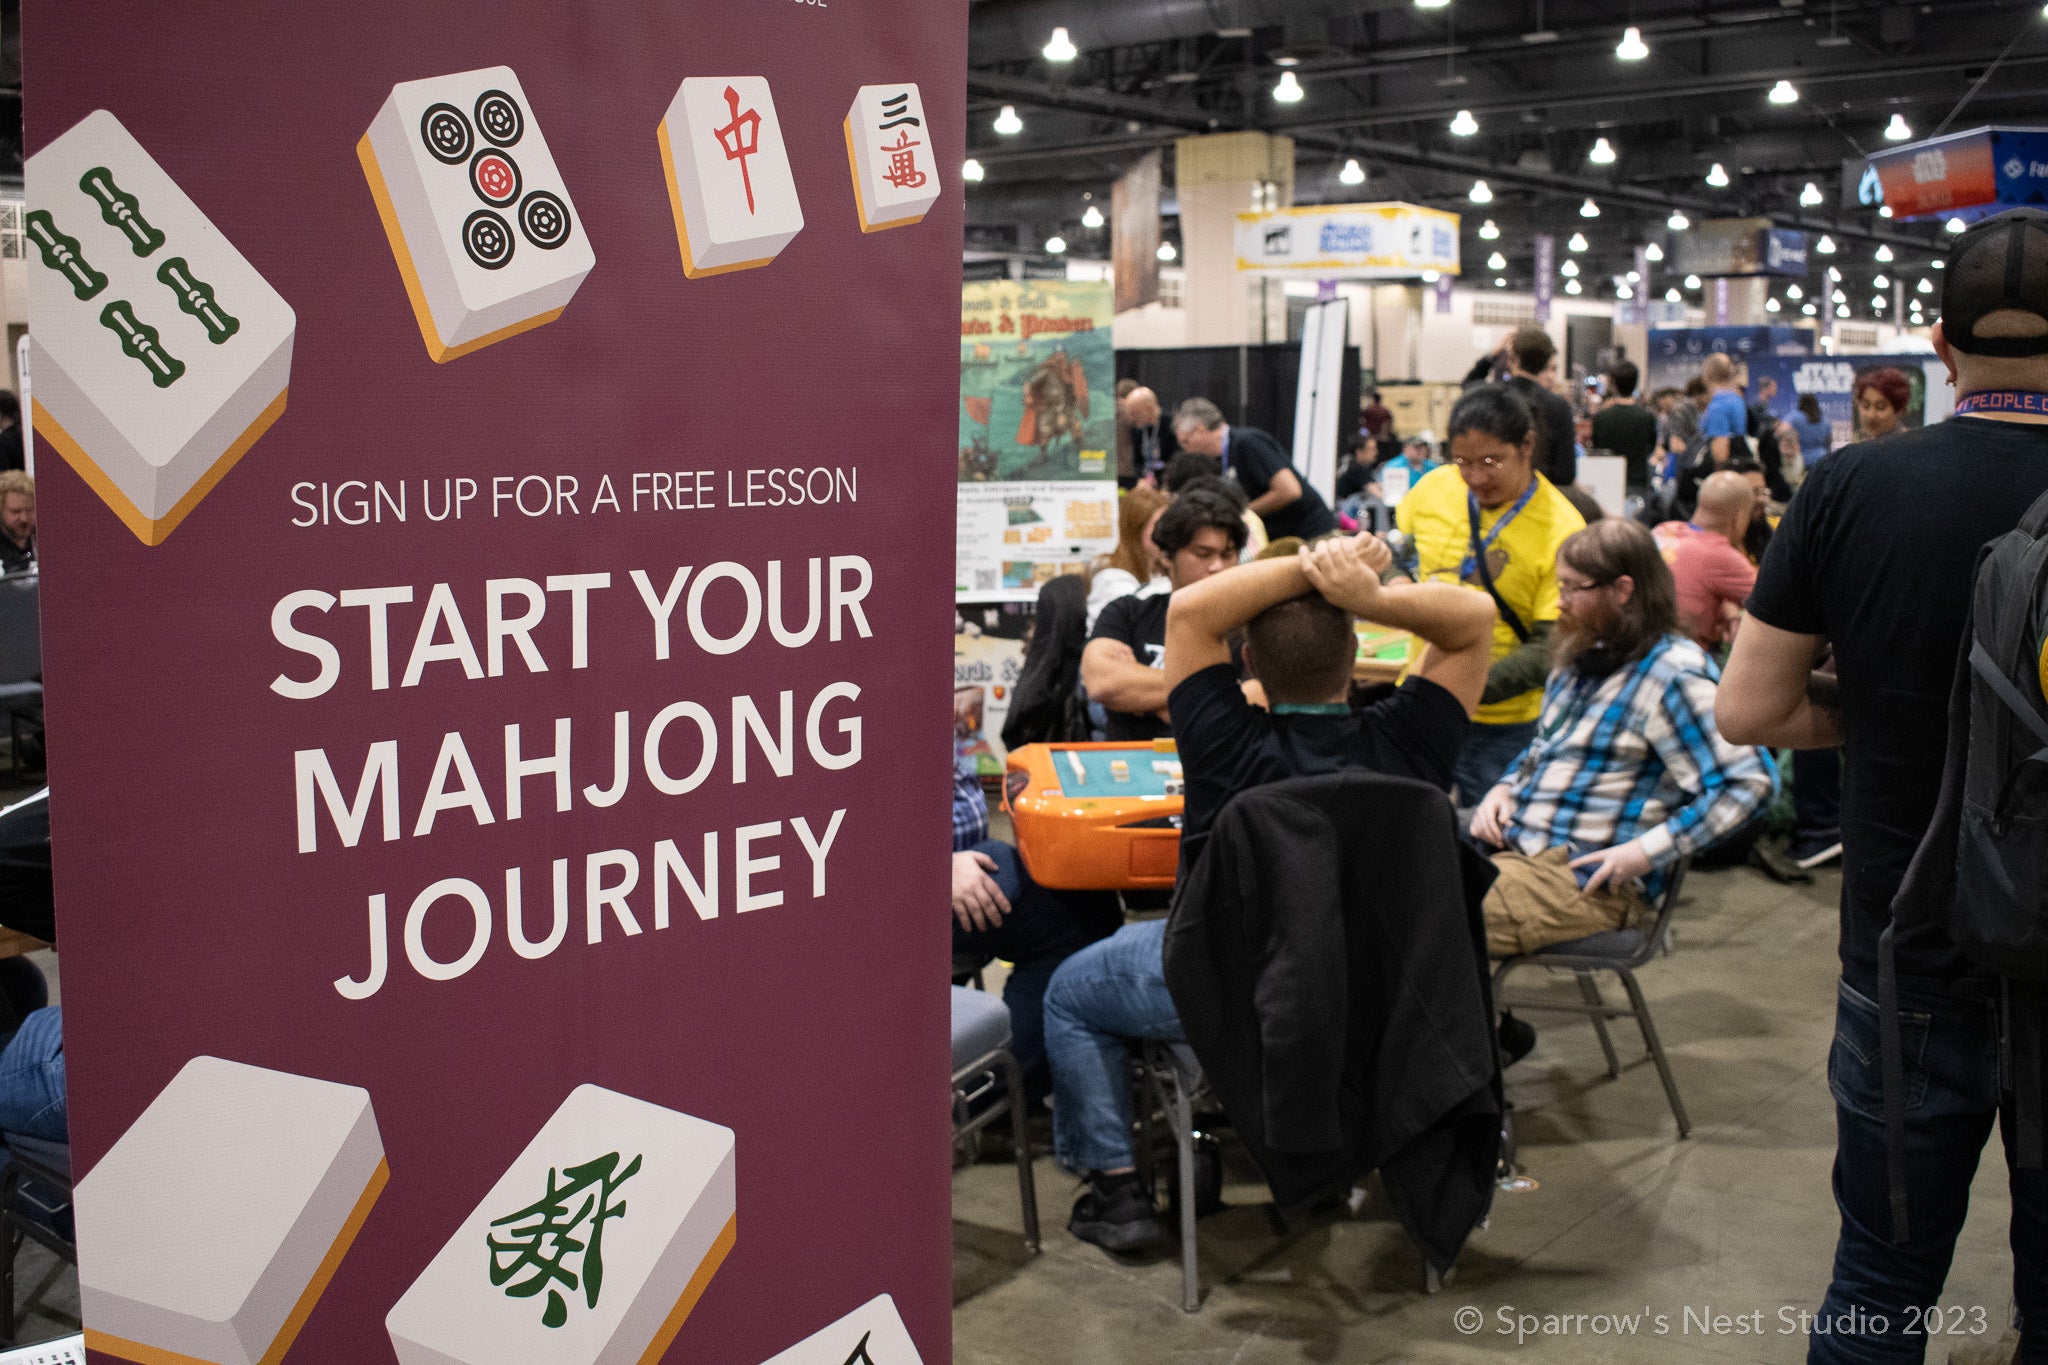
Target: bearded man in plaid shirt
(1627, 774)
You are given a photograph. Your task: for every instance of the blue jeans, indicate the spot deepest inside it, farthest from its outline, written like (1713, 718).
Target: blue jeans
(1489, 751)
(1042, 929)
(1102, 997)
(32, 1078)
(1952, 1099)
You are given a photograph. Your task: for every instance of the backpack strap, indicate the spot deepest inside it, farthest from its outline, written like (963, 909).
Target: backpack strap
(1986, 668)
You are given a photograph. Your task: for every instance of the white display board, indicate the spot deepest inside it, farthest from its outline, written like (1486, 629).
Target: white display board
(1316, 393)
(1606, 478)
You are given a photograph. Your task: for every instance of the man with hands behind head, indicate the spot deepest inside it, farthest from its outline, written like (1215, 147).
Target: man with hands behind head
(1297, 613)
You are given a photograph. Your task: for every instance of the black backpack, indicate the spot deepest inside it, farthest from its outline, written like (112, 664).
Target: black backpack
(1981, 871)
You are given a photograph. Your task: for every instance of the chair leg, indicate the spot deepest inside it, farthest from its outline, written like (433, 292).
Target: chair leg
(1027, 1190)
(1656, 1049)
(1184, 1137)
(10, 1247)
(1589, 989)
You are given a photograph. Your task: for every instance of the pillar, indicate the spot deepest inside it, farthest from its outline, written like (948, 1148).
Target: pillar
(1217, 177)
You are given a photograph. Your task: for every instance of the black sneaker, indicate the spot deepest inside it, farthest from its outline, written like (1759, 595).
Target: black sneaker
(1517, 1037)
(1115, 1212)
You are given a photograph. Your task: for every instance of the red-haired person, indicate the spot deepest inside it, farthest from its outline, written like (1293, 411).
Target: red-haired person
(1882, 397)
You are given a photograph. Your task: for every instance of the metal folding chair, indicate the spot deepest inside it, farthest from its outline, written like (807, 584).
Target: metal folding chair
(988, 1084)
(1621, 952)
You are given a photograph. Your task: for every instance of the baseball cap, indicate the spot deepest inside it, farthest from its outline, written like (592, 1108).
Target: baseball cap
(1997, 263)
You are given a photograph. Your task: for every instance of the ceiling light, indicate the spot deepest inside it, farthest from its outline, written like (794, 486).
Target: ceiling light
(1007, 123)
(1825, 246)
(1677, 222)
(1834, 275)
(1488, 231)
(1480, 194)
(1353, 173)
(1877, 302)
(1499, 283)
(1810, 196)
(1464, 125)
(1783, 93)
(1840, 297)
(1809, 310)
(1091, 217)
(1167, 252)
(1653, 252)
(1432, 4)
(1577, 243)
(1622, 291)
(972, 170)
(1794, 292)
(1692, 281)
(1940, 264)
(1884, 210)
(1673, 296)
(1496, 262)
(1880, 282)
(1926, 286)
(1842, 311)
(1289, 90)
(1569, 269)
(1632, 48)
(1589, 209)
(1772, 306)
(1602, 153)
(1061, 48)
(1572, 287)
(1897, 130)
(1884, 252)
(1055, 245)
(1717, 176)
(1431, 276)
(1956, 225)
(1634, 277)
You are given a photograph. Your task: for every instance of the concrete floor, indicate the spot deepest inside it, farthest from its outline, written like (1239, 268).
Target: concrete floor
(1628, 1219)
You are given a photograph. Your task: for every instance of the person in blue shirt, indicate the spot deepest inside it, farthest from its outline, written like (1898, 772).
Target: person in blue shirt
(1811, 429)
(1726, 419)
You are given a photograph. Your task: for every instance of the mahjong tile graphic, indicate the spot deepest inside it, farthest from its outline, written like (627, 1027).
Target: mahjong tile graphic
(872, 1334)
(210, 1229)
(487, 239)
(729, 182)
(591, 1249)
(161, 355)
(889, 147)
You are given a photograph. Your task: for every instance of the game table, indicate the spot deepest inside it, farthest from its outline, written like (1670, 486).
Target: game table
(1382, 651)
(1096, 817)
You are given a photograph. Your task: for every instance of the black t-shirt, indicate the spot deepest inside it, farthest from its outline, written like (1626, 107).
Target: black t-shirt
(1255, 457)
(1228, 745)
(1876, 553)
(1557, 435)
(1139, 622)
(1353, 478)
(1630, 432)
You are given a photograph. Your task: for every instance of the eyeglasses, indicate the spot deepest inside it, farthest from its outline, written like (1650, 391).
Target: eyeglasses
(1565, 589)
(1483, 462)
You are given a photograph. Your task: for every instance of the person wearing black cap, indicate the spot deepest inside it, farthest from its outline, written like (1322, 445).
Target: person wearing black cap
(1876, 557)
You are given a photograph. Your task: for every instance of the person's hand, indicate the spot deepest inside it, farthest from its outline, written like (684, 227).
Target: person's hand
(1379, 556)
(1342, 571)
(1490, 820)
(1614, 867)
(978, 903)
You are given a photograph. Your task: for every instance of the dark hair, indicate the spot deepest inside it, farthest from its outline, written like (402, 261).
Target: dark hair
(1302, 650)
(1891, 386)
(1216, 483)
(1532, 349)
(1603, 552)
(1587, 505)
(10, 406)
(1125, 387)
(1695, 386)
(1194, 511)
(1187, 466)
(1809, 407)
(1491, 410)
(1624, 376)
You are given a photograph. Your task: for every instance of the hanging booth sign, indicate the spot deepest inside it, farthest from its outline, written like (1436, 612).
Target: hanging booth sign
(1348, 242)
(491, 635)
(1724, 247)
(1969, 174)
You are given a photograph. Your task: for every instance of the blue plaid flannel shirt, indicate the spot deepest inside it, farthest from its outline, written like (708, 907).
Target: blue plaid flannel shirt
(1636, 755)
(970, 808)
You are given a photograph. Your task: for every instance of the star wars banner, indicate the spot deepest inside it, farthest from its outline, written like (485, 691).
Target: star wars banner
(496, 736)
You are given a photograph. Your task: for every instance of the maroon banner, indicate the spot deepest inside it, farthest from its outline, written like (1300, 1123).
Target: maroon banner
(497, 537)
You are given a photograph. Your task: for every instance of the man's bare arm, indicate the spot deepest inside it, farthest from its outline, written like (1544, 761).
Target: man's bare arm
(1763, 697)
(1455, 622)
(1200, 619)
(1113, 676)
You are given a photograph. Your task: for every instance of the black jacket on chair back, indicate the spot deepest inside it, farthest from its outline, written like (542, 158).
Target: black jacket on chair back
(1328, 961)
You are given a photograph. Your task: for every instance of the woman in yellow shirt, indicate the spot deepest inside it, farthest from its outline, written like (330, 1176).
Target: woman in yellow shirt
(1489, 520)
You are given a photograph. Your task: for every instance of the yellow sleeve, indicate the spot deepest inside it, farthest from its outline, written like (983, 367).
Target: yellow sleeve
(1565, 522)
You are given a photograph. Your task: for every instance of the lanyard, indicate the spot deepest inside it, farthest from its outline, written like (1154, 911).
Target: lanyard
(1312, 708)
(2003, 400)
(1480, 547)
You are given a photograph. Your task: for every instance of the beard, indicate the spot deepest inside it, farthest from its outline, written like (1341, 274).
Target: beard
(1584, 640)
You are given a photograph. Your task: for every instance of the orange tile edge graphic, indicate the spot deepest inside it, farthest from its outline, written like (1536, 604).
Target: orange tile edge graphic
(387, 213)
(147, 531)
(288, 1333)
(692, 1292)
(675, 206)
(860, 206)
